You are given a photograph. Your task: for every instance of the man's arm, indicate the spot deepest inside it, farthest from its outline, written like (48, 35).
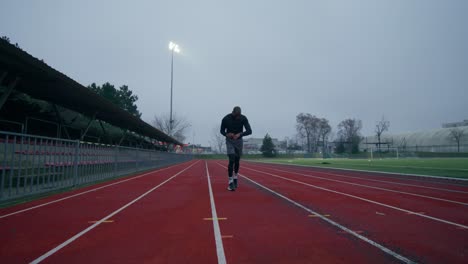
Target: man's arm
(223, 128)
(248, 130)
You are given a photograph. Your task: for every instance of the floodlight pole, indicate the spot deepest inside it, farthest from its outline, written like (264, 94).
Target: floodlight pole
(172, 81)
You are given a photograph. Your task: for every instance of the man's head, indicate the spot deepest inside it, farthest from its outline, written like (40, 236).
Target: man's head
(236, 112)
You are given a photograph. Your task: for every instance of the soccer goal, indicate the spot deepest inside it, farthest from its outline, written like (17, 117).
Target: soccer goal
(385, 153)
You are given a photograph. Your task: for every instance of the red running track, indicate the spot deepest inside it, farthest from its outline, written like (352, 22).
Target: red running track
(419, 238)
(166, 216)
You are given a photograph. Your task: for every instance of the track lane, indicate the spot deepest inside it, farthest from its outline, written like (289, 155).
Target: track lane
(420, 239)
(56, 198)
(166, 226)
(449, 211)
(261, 228)
(429, 183)
(27, 235)
(454, 195)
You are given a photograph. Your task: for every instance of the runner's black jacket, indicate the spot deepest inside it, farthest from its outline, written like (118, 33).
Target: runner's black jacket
(230, 124)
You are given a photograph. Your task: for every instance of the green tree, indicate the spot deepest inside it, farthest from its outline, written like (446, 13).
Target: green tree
(349, 132)
(340, 147)
(7, 39)
(268, 148)
(122, 97)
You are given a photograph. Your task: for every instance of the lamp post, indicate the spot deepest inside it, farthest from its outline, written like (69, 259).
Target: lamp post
(173, 48)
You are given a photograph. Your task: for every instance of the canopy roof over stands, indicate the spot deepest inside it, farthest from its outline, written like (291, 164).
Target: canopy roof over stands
(41, 81)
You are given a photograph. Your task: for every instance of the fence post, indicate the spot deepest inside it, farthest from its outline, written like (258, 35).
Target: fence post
(136, 159)
(116, 155)
(75, 163)
(3, 176)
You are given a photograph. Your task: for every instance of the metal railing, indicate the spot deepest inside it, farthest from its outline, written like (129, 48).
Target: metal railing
(34, 164)
(436, 148)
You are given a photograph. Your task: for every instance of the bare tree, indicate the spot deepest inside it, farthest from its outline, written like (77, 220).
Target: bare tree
(307, 128)
(349, 131)
(324, 130)
(403, 144)
(381, 127)
(179, 127)
(456, 134)
(218, 140)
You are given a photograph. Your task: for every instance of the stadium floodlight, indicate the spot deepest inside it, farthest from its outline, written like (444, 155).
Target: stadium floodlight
(173, 47)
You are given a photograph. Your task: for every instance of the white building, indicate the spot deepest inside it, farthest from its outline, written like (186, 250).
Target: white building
(455, 124)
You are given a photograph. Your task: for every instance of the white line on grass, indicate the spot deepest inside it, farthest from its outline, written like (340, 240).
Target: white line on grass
(380, 172)
(409, 167)
(214, 215)
(70, 240)
(366, 200)
(324, 218)
(81, 193)
(365, 178)
(372, 187)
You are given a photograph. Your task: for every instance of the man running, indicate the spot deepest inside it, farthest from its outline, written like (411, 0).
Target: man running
(232, 127)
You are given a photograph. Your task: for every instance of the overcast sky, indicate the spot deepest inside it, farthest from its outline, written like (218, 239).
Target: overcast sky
(405, 59)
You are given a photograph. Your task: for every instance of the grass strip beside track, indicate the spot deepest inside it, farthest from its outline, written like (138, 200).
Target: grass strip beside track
(442, 167)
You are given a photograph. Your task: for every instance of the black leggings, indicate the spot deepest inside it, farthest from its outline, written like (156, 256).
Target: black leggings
(234, 160)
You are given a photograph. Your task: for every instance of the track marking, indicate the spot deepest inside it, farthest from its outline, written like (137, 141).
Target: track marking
(357, 231)
(388, 174)
(312, 215)
(85, 192)
(374, 187)
(212, 219)
(228, 236)
(70, 240)
(347, 230)
(217, 231)
(368, 179)
(416, 213)
(379, 213)
(107, 221)
(364, 199)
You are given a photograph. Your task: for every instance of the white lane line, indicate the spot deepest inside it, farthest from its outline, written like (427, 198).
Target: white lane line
(214, 215)
(380, 172)
(70, 240)
(324, 218)
(364, 199)
(365, 178)
(81, 193)
(371, 187)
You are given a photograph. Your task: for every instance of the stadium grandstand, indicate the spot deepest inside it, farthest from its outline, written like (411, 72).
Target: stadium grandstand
(37, 99)
(56, 133)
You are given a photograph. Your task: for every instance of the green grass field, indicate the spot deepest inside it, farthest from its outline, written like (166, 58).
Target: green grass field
(446, 167)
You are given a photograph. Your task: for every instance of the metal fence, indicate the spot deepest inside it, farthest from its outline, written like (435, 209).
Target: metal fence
(436, 148)
(33, 164)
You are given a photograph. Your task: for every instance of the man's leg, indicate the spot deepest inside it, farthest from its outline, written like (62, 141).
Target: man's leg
(236, 166)
(232, 158)
(231, 155)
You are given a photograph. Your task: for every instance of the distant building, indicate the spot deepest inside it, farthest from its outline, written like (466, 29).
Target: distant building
(455, 124)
